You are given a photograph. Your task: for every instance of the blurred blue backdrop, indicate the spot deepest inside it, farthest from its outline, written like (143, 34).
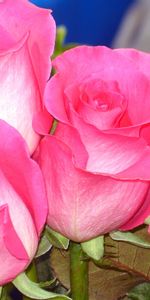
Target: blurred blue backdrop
(88, 21)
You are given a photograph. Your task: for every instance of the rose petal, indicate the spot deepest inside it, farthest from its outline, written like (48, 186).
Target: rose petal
(54, 99)
(101, 120)
(23, 173)
(10, 237)
(86, 206)
(21, 218)
(25, 17)
(42, 122)
(139, 170)
(13, 258)
(106, 64)
(135, 87)
(140, 216)
(90, 61)
(145, 132)
(71, 137)
(96, 91)
(140, 59)
(108, 153)
(7, 39)
(24, 102)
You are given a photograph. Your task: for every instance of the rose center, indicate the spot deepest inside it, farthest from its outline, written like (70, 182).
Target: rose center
(100, 104)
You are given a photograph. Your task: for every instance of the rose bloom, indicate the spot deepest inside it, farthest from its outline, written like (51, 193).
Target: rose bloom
(97, 164)
(23, 204)
(27, 36)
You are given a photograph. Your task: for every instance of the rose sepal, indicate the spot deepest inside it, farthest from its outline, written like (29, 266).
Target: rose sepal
(56, 239)
(44, 246)
(33, 290)
(129, 237)
(94, 248)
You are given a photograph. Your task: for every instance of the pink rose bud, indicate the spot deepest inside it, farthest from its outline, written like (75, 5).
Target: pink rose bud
(97, 164)
(23, 204)
(27, 35)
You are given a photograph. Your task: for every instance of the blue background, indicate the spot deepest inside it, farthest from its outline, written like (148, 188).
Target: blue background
(88, 21)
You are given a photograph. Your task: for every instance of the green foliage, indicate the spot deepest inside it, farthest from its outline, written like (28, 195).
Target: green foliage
(33, 290)
(94, 248)
(130, 238)
(60, 45)
(140, 292)
(44, 245)
(56, 239)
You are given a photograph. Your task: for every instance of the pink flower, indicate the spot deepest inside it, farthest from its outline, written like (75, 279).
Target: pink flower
(97, 166)
(23, 204)
(27, 35)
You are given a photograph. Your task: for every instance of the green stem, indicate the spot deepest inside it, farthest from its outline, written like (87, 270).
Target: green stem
(32, 274)
(5, 295)
(78, 273)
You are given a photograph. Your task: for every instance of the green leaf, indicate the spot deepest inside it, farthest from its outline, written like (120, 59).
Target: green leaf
(130, 238)
(60, 45)
(60, 36)
(60, 40)
(44, 246)
(140, 292)
(94, 248)
(56, 239)
(47, 284)
(33, 290)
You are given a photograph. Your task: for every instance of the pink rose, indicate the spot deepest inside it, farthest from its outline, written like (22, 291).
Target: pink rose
(27, 35)
(23, 204)
(97, 166)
